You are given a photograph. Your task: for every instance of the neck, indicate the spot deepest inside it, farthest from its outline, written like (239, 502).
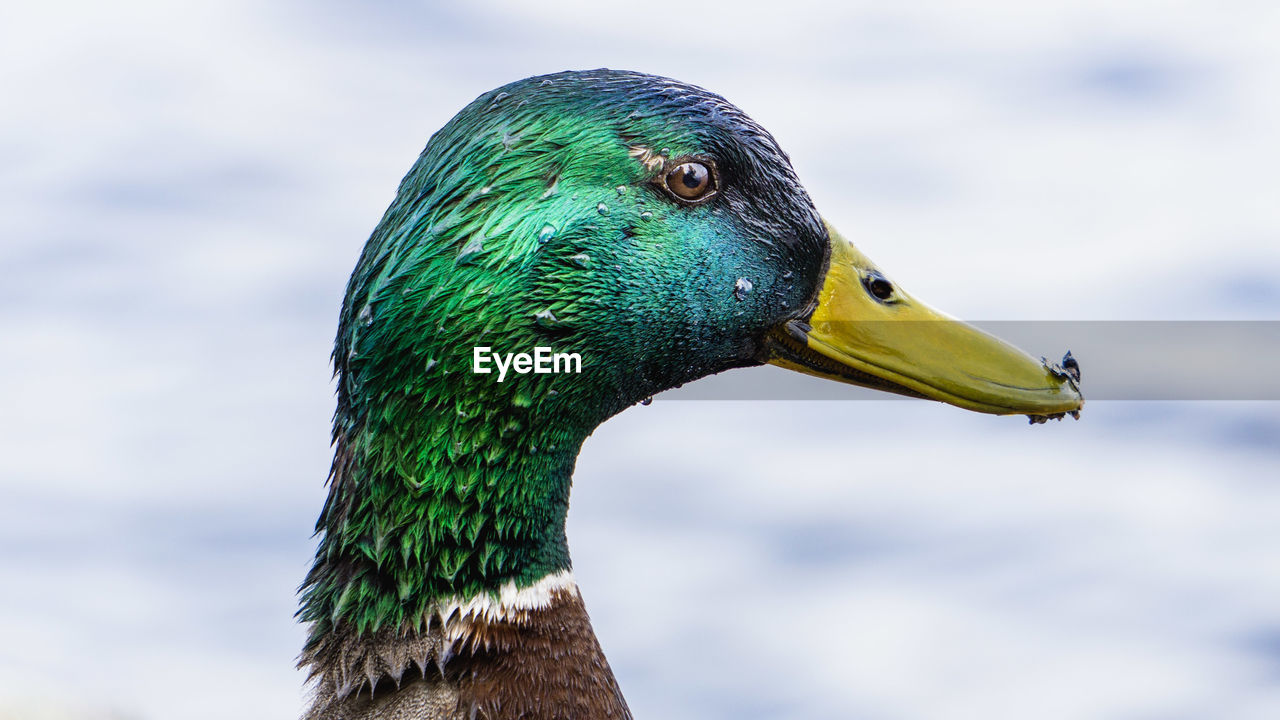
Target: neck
(410, 525)
(443, 564)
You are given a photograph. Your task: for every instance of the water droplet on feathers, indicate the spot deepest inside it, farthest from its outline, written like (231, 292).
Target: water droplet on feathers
(622, 189)
(468, 253)
(646, 215)
(545, 318)
(602, 209)
(547, 232)
(366, 315)
(497, 100)
(741, 289)
(582, 260)
(647, 401)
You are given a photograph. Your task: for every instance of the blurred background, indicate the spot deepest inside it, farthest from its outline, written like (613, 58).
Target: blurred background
(184, 188)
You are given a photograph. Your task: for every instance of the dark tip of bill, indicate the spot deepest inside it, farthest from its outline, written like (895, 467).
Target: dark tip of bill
(1072, 366)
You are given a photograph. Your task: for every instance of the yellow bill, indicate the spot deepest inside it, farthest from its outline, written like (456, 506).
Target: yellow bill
(867, 331)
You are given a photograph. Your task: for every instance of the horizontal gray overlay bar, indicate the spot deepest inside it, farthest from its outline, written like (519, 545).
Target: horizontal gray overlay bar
(1119, 360)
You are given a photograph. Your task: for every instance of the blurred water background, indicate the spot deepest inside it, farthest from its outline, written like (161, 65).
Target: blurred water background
(185, 186)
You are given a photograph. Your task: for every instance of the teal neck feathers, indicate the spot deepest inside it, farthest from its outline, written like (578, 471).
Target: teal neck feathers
(534, 218)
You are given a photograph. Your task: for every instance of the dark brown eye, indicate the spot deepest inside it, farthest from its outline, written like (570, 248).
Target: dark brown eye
(691, 181)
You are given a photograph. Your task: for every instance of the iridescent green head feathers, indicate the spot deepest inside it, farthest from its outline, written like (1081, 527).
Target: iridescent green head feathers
(646, 225)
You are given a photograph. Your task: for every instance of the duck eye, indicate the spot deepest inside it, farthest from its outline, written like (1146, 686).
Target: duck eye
(879, 288)
(691, 181)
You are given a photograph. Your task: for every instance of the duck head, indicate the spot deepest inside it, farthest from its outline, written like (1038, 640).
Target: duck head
(648, 228)
(656, 231)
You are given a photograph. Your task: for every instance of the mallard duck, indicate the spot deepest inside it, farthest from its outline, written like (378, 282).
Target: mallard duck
(647, 233)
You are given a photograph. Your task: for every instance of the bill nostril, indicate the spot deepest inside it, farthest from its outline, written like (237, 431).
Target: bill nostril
(876, 284)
